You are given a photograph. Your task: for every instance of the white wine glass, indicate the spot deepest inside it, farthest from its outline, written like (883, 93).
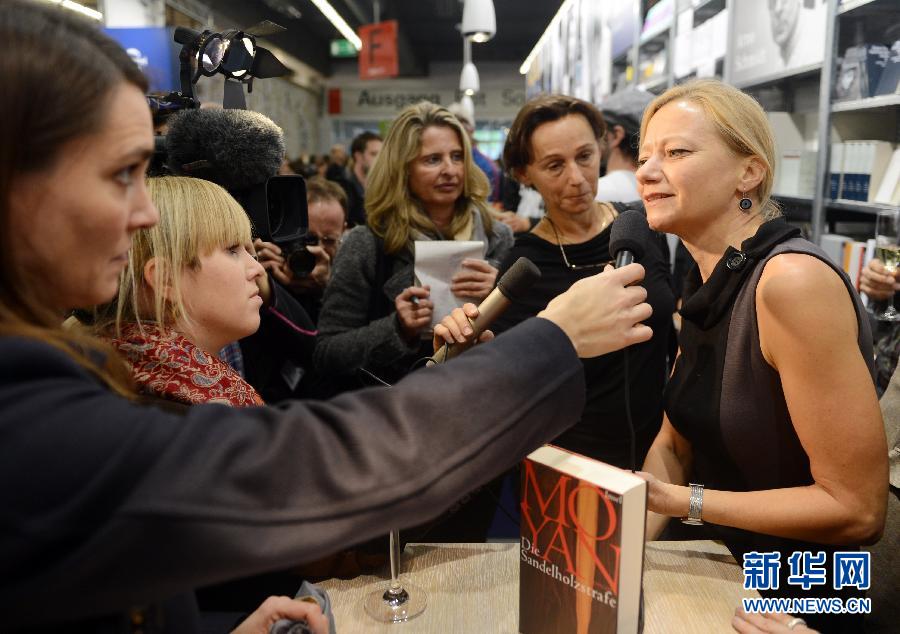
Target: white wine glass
(887, 249)
(398, 602)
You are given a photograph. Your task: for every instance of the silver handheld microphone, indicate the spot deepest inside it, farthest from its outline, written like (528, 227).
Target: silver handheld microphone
(512, 285)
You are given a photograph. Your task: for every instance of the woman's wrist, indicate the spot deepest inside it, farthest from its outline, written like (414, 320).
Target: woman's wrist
(678, 500)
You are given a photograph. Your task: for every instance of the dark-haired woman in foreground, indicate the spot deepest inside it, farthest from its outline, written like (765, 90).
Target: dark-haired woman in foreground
(109, 508)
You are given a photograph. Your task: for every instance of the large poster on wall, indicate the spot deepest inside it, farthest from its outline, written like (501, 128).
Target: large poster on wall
(776, 37)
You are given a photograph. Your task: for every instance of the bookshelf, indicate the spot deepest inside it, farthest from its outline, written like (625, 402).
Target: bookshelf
(869, 103)
(738, 42)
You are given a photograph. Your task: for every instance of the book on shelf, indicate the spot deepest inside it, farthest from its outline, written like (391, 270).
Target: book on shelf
(833, 245)
(854, 260)
(795, 165)
(582, 545)
(889, 83)
(848, 254)
(888, 191)
(864, 166)
(835, 170)
(860, 73)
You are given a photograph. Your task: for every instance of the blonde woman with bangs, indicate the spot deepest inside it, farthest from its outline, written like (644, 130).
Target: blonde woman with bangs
(424, 185)
(771, 408)
(191, 287)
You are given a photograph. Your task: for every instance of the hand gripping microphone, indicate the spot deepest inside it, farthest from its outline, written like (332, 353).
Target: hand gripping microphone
(512, 285)
(628, 237)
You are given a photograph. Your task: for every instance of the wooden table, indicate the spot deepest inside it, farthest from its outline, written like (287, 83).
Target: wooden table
(688, 587)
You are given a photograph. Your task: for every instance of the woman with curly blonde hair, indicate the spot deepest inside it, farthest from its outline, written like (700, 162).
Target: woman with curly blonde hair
(424, 185)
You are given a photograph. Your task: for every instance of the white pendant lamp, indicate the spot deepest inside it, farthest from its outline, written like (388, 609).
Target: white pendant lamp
(468, 107)
(469, 83)
(479, 22)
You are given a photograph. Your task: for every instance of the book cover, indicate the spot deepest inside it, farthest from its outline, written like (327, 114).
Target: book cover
(581, 547)
(890, 182)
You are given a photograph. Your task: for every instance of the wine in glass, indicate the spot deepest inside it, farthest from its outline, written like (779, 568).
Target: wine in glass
(398, 602)
(887, 249)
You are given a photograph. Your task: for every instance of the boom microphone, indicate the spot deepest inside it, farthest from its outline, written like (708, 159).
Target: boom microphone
(520, 277)
(628, 237)
(236, 149)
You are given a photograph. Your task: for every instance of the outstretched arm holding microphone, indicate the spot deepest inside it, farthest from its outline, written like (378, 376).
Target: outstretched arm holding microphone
(599, 314)
(214, 493)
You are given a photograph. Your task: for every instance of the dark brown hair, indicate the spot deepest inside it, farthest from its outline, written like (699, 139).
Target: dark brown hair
(544, 109)
(58, 71)
(361, 141)
(320, 189)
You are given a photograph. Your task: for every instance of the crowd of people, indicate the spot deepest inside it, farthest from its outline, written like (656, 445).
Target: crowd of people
(184, 406)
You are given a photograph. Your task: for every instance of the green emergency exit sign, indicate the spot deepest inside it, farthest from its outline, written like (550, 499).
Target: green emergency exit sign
(342, 48)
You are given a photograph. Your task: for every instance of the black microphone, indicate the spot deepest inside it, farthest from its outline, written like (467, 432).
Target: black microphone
(628, 237)
(520, 277)
(236, 149)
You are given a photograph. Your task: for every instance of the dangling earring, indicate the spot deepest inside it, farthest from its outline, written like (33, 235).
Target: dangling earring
(745, 202)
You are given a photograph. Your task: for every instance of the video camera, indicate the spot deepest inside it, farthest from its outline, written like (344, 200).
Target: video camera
(273, 210)
(236, 148)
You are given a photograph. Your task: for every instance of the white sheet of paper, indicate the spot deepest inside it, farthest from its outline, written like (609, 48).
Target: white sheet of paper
(437, 261)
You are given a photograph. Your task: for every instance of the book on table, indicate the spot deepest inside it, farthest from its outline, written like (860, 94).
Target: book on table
(581, 546)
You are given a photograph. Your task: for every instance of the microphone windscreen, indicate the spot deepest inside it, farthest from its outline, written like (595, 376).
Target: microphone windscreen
(520, 277)
(233, 148)
(629, 232)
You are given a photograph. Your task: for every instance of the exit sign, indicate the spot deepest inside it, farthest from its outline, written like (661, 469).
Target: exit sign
(342, 48)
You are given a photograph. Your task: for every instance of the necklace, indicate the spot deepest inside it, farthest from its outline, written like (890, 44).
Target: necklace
(570, 266)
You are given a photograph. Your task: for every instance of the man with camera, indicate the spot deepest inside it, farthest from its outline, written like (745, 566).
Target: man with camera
(307, 271)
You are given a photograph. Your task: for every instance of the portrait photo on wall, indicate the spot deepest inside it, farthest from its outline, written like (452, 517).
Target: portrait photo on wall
(775, 37)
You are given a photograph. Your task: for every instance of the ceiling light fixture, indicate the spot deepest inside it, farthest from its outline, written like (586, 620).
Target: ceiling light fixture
(339, 23)
(468, 81)
(479, 22)
(78, 8)
(526, 65)
(468, 107)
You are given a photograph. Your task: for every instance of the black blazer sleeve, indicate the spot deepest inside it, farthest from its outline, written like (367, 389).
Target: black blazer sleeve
(106, 504)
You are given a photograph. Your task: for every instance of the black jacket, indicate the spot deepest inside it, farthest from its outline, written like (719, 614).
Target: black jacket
(105, 504)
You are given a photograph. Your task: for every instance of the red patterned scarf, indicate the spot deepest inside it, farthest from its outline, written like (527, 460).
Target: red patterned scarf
(167, 365)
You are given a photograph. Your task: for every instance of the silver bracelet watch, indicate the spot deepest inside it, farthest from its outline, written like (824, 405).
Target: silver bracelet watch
(695, 509)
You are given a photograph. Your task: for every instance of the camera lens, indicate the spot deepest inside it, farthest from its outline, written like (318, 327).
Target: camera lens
(301, 261)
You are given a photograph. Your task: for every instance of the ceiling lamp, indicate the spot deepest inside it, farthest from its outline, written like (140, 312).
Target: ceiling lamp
(479, 22)
(468, 107)
(338, 22)
(79, 8)
(469, 83)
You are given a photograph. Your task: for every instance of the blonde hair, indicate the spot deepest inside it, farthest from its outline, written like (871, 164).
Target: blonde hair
(740, 122)
(391, 209)
(196, 217)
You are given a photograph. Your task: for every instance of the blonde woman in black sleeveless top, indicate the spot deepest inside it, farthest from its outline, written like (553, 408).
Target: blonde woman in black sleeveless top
(771, 405)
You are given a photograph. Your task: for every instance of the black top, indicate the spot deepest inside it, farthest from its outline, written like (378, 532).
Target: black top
(602, 432)
(106, 505)
(728, 401)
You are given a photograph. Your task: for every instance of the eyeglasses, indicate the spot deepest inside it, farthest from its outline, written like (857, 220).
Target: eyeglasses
(326, 241)
(570, 266)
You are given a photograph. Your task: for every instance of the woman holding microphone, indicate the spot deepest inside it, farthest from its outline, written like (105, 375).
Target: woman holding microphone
(113, 509)
(423, 186)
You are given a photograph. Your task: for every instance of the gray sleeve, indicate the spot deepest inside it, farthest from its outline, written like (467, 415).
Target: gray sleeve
(109, 504)
(500, 244)
(347, 340)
